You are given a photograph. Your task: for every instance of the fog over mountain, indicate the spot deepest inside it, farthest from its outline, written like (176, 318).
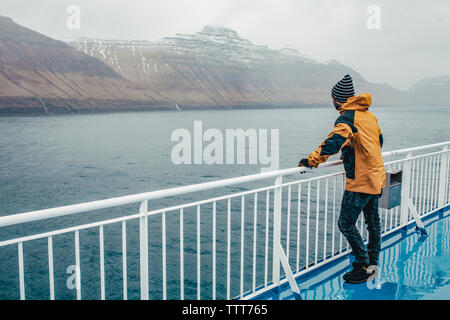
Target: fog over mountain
(217, 67)
(433, 91)
(408, 46)
(213, 68)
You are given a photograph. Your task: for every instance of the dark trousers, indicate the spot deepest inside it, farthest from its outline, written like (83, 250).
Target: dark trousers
(352, 205)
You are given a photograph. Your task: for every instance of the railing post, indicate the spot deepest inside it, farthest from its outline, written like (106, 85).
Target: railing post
(406, 201)
(279, 257)
(406, 184)
(276, 231)
(443, 177)
(143, 248)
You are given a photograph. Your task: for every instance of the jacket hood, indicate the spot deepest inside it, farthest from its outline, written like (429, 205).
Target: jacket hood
(359, 103)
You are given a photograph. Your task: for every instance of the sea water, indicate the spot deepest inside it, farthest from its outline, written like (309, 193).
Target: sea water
(51, 161)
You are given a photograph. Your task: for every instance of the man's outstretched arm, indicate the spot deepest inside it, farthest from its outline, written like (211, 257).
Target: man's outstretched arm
(338, 138)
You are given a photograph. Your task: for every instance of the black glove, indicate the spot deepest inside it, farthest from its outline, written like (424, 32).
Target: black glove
(304, 163)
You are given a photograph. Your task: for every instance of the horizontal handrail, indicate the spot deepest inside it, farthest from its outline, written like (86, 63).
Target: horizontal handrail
(152, 195)
(406, 150)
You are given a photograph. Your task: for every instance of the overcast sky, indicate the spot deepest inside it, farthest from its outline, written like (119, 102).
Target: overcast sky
(412, 42)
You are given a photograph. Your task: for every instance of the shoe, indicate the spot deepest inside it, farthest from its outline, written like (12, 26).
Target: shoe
(359, 274)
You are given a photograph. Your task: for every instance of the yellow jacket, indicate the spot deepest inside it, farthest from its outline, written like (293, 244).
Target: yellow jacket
(357, 134)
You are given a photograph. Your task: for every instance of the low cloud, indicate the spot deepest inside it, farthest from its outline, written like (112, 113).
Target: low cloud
(409, 45)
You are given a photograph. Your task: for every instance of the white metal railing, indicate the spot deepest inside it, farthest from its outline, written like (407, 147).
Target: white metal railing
(214, 229)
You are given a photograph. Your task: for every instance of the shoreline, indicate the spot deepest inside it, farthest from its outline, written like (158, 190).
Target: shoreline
(51, 111)
(55, 111)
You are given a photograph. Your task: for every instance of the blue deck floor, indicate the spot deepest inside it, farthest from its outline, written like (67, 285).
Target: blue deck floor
(412, 267)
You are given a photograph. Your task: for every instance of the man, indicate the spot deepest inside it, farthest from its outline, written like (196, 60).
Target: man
(357, 134)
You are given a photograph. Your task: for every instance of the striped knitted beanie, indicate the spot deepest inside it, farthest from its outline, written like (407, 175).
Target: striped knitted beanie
(343, 89)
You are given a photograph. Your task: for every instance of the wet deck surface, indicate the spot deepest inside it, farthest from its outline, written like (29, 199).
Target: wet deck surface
(412, 267)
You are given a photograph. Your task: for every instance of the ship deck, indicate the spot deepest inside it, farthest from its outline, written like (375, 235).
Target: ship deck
(412, 267)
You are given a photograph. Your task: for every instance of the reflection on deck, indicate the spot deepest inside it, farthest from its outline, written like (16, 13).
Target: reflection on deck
(412, 267)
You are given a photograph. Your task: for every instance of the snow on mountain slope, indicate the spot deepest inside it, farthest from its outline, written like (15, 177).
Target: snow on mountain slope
(217, 67)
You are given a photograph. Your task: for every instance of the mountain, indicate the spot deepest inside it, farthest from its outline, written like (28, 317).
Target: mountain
(430, 91)
(217, 68)
(213, 68)
(42, 75)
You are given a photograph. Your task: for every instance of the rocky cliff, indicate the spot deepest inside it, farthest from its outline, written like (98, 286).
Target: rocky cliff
(217, 67)
(214, 68)
(42, 75)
